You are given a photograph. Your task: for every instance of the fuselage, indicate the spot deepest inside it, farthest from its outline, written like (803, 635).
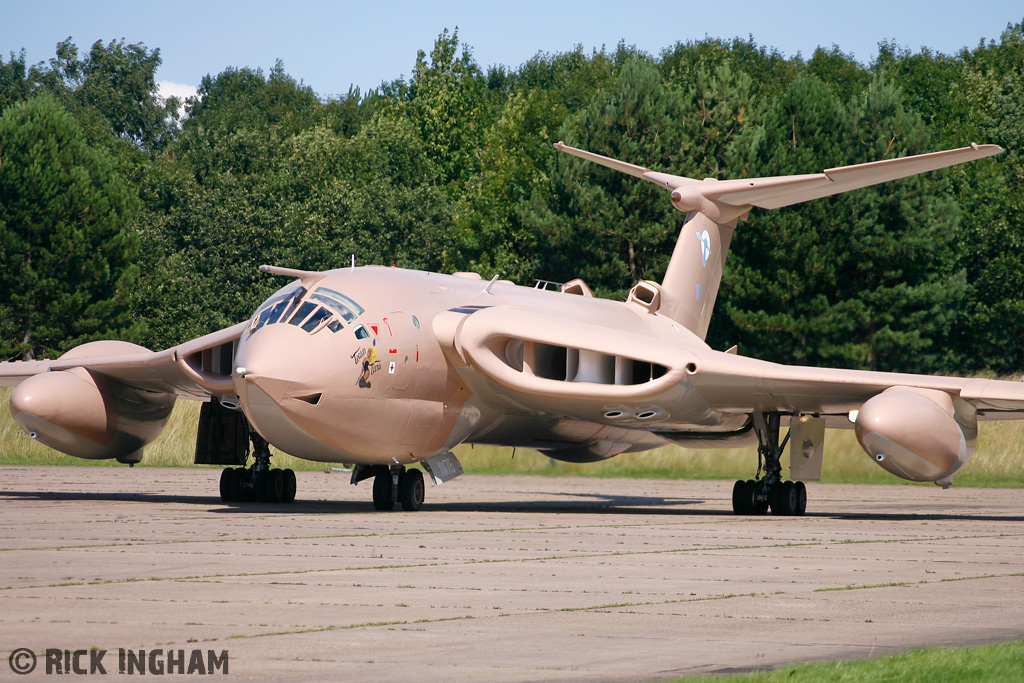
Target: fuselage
(344, 366)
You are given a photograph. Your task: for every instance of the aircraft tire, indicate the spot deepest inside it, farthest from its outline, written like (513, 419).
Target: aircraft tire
(737, 497)
(273, 486)
(382, 498)
(228, 485)
(289, 486)
(801, 498)
(238, 493)
(411, 490)
(255, 494)
(743, 500)
(757, 507)
(784, 499)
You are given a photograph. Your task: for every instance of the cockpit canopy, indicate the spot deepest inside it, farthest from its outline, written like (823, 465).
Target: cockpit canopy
(312, 311)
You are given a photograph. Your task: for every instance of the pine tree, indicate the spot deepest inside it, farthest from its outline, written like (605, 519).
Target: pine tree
(65, 233)
(859, 280)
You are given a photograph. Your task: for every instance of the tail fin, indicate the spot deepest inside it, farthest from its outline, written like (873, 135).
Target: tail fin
(714, 207)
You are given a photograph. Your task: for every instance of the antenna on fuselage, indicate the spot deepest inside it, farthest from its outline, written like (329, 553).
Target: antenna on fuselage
(487, 289)
(353, 260)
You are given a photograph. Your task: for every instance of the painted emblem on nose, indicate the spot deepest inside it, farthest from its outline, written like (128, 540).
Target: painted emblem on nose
(705, 247)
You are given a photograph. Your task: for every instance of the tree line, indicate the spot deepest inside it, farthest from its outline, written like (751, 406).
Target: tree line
(121, 216)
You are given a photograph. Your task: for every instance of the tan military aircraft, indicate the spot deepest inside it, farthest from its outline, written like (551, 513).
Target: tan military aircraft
(384, 368)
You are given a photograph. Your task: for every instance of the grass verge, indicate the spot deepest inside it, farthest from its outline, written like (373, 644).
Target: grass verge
(997, 663)
(999, 460)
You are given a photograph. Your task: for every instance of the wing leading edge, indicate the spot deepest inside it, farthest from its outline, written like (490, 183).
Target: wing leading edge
(196, 369)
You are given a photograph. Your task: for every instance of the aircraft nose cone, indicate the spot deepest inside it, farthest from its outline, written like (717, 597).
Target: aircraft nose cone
(279, 378)
(277, 360)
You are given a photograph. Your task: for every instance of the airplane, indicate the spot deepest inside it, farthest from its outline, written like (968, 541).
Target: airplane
(386, 368)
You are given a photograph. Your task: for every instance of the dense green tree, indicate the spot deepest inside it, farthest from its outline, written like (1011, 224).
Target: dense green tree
(15, 80)
(241, 118)
(839, 71)
(262, 174)
(861, 280)
(718, 107)
(989, 107)
(445, 101)
(497, 237)
(770, 71)
(371, 195)
(598, 224)
(110, 91)
(453, 169)
(65, 233)
(212, 213)
(927, 81)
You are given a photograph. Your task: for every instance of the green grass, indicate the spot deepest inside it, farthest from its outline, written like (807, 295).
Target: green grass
(999, 460)
(988, 663)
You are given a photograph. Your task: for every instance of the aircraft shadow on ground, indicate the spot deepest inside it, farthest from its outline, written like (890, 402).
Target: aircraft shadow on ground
(576, 503)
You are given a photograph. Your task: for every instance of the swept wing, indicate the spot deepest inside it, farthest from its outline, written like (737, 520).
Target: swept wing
(196, 369)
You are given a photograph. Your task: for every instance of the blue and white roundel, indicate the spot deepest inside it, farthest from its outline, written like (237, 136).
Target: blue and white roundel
(705, 246)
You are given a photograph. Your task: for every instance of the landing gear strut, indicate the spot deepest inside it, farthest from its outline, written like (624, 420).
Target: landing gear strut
(754, 497)
(393, 484)
(260, 482)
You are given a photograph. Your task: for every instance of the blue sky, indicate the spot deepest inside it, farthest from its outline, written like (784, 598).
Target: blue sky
(332, 45)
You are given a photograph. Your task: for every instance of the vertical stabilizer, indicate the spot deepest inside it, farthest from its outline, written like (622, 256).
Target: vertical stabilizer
(694, 272)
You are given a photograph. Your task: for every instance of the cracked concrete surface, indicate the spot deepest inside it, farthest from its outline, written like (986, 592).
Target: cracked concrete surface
(499, 578)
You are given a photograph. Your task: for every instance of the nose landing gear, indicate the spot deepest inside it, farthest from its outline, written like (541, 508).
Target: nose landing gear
(393, 484)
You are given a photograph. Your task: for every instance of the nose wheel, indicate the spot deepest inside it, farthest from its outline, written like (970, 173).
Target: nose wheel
(393, 485)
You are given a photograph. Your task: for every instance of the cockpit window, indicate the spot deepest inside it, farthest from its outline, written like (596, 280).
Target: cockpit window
(361, 332)
(305, 309)
(344, 311)
(319, 315)
(274, 313)
(344, 300)
(271, 311)
(323, 305)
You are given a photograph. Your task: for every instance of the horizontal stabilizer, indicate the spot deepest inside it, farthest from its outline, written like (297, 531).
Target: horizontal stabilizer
(778, 191)
(772, 193)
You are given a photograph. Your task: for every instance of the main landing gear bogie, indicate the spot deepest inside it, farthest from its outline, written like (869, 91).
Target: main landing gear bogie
(755, 497)
(238, 484)
(260, 482)
(786, 498)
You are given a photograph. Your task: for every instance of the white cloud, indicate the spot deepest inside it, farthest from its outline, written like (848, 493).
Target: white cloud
(167, 89)
(170, 89)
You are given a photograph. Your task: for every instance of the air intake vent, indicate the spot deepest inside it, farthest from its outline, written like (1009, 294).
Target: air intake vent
(566, 364)
(646, 294)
